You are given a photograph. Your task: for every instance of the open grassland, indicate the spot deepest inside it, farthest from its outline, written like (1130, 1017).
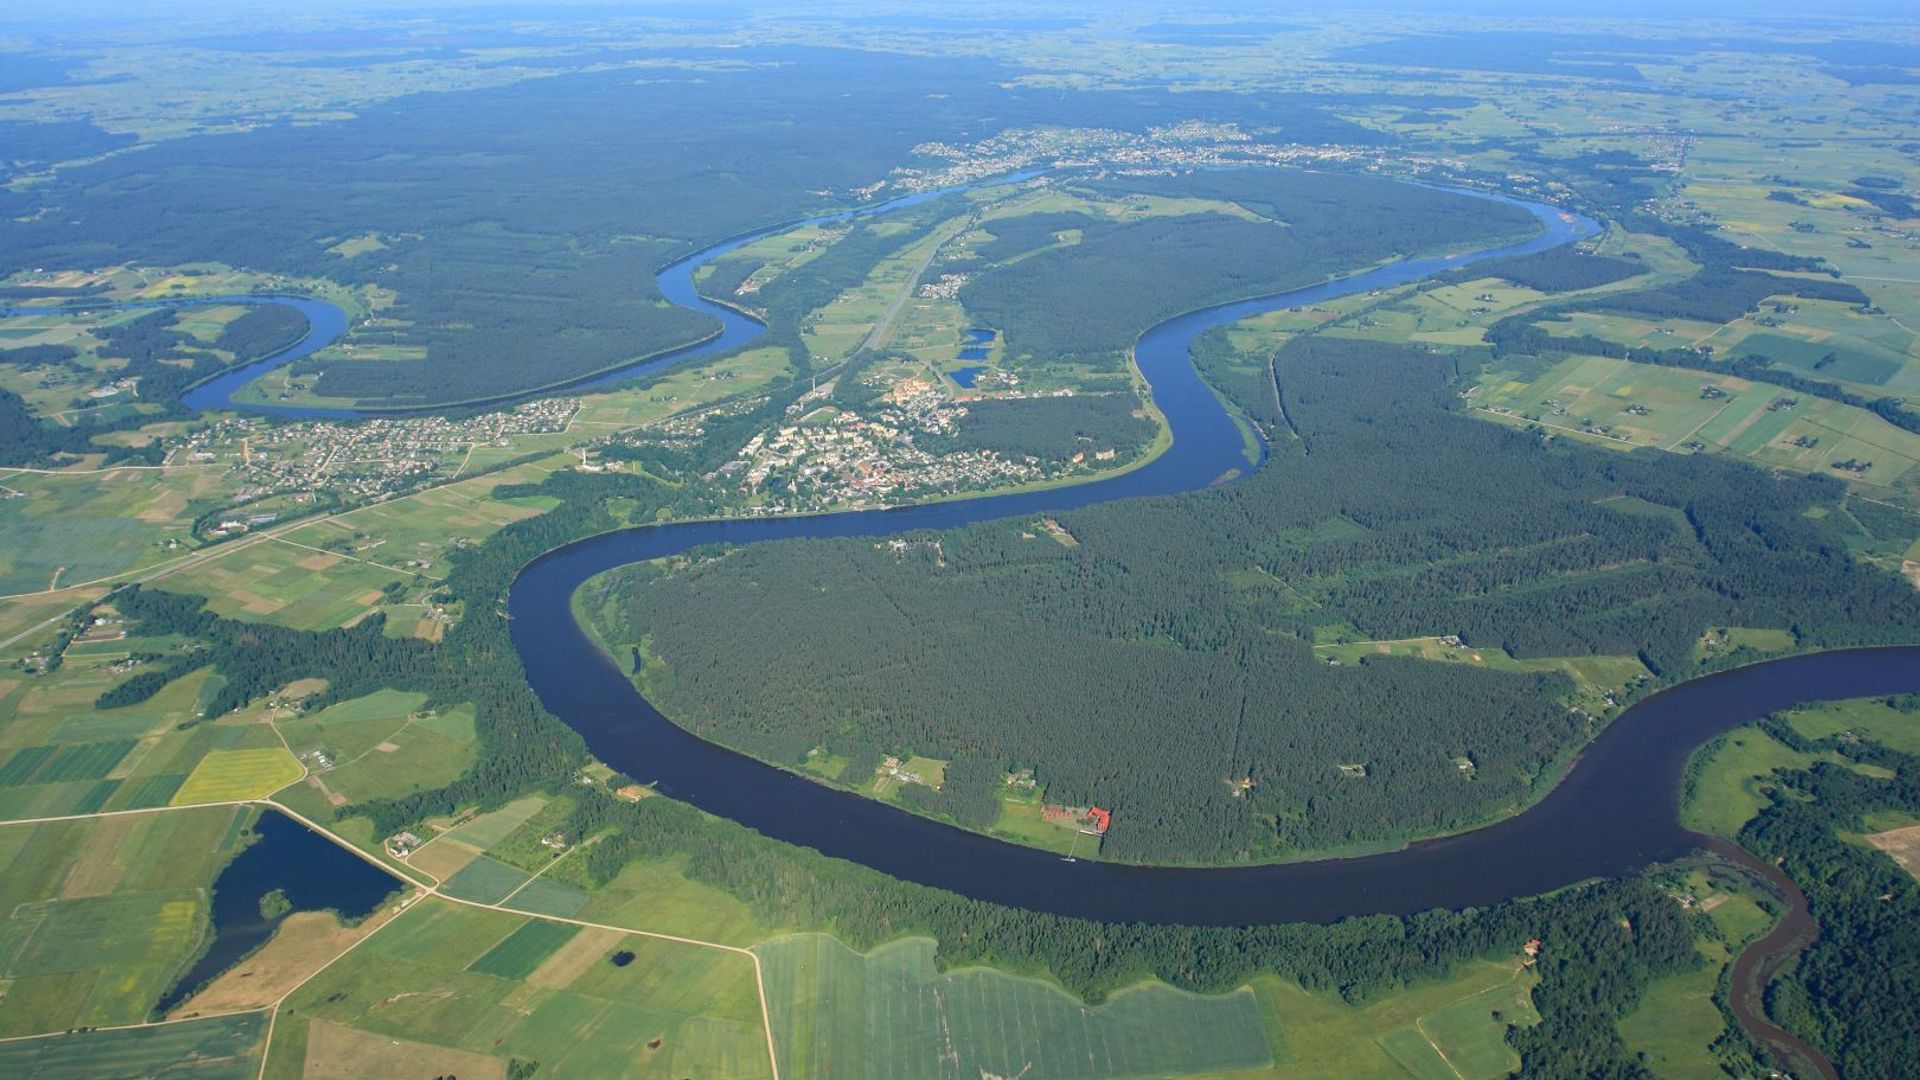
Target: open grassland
(1677, 1021)
(1869, 717)
(890, 1013)
(1726, 777)
(1727, 774)
(429, 989)
(1456, 315)
(291, 585)
(218, 1048)
(58, 755)
(653, 894)
(102, 915)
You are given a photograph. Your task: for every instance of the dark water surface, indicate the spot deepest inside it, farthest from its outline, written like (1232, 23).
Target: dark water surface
(315, 873)
(1614, 812)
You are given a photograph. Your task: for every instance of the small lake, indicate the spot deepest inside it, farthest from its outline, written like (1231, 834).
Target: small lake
(313, 872)
(965, 376)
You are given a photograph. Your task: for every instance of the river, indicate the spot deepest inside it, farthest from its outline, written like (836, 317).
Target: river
(1615, 811)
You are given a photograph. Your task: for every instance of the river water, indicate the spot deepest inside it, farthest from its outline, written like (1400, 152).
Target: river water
(1615, 811)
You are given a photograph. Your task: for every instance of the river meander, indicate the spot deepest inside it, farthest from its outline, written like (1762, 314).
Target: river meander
(1616, 809)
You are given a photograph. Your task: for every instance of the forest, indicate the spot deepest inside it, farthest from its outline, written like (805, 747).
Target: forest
(165, 360)
(1093, 298)
(1561, 269)
(1050, 428)
(1385, 514)
(1851, 992)
(523, 251)
(1602, 943)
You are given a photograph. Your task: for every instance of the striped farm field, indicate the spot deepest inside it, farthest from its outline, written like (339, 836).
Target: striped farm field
(891, 1013)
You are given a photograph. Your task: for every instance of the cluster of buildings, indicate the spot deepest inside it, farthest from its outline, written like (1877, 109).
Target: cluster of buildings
(1187, 145)
(359, 459)
(836, 456)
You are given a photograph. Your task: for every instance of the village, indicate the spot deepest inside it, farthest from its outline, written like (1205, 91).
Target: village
(360, 460)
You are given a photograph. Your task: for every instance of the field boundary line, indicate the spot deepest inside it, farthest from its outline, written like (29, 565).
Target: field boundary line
(140, 1025)
(1420, 1025)
(1701, 426)
(355, 558)
(420, 889)
(551, 863)
(5, 822)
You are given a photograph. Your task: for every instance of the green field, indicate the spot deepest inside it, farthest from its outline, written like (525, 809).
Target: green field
(1594, 677)
(1865, 716)
(422, 983)
(1415, 1031)
(1729, 773)
(225, 775)
(495, 826)
(291, 586)
(891, 1014)
(485, 880)
(217, 1048)
(102, 915)
(1677, 1021)
(520, 952)
(384, 745)
(657, 895)
(1621, 404)
(93, 525)
(59, 756)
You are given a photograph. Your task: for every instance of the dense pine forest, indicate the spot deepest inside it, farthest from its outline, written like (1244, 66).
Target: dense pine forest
(164, 359)
(1092, 298)
(1165, 655)
(1850, 992)
(532, 261)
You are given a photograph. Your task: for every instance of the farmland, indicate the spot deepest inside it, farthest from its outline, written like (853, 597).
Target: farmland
(1622, 404)
(219, 1048)
(890, 1013)
(104, 914)
(428, 986)
(1451, 1028)
(60, 756)
(1597, 680)
(380, 746)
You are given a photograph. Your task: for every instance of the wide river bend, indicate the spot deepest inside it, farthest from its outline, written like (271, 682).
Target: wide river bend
(1615, 811)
